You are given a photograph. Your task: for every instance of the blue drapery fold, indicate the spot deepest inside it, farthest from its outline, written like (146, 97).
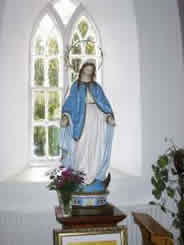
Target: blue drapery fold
(105, 162)
(74, 107)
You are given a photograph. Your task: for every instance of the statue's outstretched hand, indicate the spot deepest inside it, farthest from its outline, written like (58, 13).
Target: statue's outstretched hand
(110, 120)
(64, 122)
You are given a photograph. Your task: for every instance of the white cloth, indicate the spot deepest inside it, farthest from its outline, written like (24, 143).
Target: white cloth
(89, 98)
(89, 150)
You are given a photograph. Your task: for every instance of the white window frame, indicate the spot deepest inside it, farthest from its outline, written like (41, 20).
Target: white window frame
(66, 34)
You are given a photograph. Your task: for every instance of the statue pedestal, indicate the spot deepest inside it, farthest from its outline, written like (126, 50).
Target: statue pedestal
(106, 209)
(89, 199)
(110, 216)
(91, 229)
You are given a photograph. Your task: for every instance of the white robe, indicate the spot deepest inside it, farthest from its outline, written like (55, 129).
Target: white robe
(89, 149)
(91, 153)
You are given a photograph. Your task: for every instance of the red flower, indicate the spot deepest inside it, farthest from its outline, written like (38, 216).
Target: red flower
(67, 172)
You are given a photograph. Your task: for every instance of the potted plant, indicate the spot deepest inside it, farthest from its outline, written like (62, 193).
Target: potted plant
(168, 183)
(65, 181)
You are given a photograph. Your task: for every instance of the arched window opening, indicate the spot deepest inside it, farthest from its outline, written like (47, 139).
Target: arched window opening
(65, 9)
(46, 86)
(62, 24)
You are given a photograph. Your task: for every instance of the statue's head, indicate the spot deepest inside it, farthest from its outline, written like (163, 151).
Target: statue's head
(89, 70)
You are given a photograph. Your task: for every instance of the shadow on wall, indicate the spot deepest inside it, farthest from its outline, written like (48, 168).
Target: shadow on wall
(181, 14)
(2, 8)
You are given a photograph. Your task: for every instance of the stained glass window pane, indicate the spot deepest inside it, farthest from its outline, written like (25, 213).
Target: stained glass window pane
(90, 47)
(53, 48)
(53, 72)
(46, 92)
(76, 64)
(53, 136)
(53, 105)
(39, 106)
(76, 46)
(83, 28)
(74, 76)
(39, 141)
(39, 72)
(39, 46)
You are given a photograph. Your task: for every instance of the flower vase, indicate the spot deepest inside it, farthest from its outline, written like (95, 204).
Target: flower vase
(65, 202)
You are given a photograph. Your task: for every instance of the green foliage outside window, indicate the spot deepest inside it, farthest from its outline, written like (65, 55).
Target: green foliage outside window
(53, 72)
(77, 47)
(76, 64)
(90, 47)
(46, 91)
(39, 141)
(53, 106)
(83, 28)
(53, 136)
(53, 48)
(81, 47)
(39, 72)
(39, 47)
(39, 106)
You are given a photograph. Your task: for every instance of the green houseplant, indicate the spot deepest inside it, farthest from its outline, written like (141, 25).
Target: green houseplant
(168, 183)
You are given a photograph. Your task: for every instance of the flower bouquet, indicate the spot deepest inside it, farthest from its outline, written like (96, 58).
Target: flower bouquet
(65, 181)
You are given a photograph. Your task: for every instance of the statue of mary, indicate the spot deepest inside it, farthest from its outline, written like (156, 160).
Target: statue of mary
(87, 128)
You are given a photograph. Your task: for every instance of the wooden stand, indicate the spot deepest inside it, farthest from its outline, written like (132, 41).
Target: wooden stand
(107, 210)
(106, 219)
(152, 232)
(91, 225)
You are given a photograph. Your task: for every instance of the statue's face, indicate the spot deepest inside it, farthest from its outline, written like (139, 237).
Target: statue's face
(88, 70)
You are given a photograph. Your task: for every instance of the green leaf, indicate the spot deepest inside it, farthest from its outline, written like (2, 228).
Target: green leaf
(164, 174)
(181, 204)
(152, 203)
(176, 223)
(163, 209)
(154, 182)
(170, 192)
(156, 194)
(163, 161)
(161, 185)
(156, 171)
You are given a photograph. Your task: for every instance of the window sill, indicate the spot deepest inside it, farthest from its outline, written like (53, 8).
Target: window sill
(37, 174)
(32, 174)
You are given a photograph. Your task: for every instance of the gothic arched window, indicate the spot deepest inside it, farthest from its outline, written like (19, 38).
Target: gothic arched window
(46, 85)
(48, 75)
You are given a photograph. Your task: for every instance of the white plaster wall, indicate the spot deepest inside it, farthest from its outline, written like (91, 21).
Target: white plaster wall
(121, 79)
(161, 73)
(162, 90)
(16, 24)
